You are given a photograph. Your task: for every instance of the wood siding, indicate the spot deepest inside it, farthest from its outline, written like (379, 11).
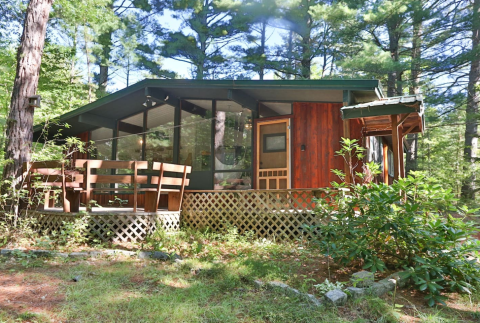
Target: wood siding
(319, 127)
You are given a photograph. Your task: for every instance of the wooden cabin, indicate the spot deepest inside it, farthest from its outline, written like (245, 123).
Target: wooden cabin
(240, 135)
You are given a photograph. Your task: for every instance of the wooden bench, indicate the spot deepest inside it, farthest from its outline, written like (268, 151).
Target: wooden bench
(175, 195)
(90, 177)
(152, 195)
(45, 175)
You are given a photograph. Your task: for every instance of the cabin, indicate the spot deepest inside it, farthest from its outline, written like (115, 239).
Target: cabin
(241, 135)
(247, 135)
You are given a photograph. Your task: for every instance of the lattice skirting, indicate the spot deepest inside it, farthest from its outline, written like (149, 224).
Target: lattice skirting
(278, 214)
(111, 227)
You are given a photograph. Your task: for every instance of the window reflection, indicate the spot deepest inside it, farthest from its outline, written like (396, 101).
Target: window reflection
(196, 134)
(129, 144)
(103, 143)
(233, 136)
(233, 181)
(159, 137)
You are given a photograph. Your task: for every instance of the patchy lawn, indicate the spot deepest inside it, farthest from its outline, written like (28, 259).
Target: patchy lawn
(214, 284)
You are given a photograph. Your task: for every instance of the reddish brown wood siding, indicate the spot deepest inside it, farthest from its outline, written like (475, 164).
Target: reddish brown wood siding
(319, 127)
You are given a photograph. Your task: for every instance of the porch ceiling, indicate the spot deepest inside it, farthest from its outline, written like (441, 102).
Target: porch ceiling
(375, 116)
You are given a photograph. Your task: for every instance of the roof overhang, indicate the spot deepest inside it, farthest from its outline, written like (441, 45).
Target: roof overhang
(106, 111)
(375, 115)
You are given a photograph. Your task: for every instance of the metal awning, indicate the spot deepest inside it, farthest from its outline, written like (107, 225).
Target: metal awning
(375, 115)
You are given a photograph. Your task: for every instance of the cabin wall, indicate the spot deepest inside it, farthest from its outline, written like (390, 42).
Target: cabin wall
(318, 126)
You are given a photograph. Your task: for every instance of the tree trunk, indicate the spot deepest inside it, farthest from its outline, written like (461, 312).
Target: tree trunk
(263, 40)
(19, 131)
(473, 99)
(412, 139)
(106, 42)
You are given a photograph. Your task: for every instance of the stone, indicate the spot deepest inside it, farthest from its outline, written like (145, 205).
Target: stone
(258, 283)
(389, 283)
(283, 287)
(8, 252)
(401, 282)
(78, 255)
(356, 292)
(61, 254)
(312, 299)
(382, 287)
(95, 254)
(176, 257)
(178, 261)
(41, 253)
(362, 279)
(144, 254)
(160, 255)
(336, 297)
(77, 278)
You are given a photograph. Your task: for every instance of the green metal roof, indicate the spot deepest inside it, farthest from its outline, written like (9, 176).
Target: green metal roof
(385, 106)
(130, 100)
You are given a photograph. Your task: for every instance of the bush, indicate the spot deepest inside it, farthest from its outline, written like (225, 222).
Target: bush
(412, 224)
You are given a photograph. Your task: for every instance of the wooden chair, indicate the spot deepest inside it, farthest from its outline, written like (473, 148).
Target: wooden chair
(175, 186)
(45, 175)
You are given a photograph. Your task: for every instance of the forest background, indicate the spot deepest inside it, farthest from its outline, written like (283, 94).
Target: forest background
(95, 47)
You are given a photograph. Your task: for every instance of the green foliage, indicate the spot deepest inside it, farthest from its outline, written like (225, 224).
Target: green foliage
(327, 286)
(73, 232)
(412, 224)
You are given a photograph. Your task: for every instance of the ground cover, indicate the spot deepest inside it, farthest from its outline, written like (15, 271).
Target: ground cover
(212, 284)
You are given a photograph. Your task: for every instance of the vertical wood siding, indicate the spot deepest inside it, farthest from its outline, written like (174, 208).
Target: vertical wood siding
(319, 127)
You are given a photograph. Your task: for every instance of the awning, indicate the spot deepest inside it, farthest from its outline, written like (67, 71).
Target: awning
(375, 115)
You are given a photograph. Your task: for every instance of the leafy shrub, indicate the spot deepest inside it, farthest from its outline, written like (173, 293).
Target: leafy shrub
(409, 225)
(327, 286)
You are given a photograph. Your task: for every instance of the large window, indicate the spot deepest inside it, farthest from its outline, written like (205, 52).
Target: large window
(103, 143)
(159, 136)
(196, 134)
(232, 145)
(130, 141)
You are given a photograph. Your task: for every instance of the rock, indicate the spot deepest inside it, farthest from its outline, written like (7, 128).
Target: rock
(362, 279)
(389, 283)
(113, 252)
(283, 287)
(356, 292)
(382, 287)
(258, 283)
(61, 254)
(8, 252)
(401, 282)
(312, 299)
(176, 257)
(336, 297)
(95, 254)
(41, 253)
(77, 278)
(78, 255)
(144, 254)
(178, 261)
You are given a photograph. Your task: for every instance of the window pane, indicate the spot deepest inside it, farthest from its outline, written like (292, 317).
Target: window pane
(233, 136)
(159, 139)
(273, 109)
(233, 181)
(196, 134)
(129, 145)
(103, 148)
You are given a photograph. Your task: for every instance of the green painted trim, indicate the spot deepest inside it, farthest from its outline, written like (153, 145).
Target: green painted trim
(372, 111)
(243, 99)
(98, 121)
(225, 84)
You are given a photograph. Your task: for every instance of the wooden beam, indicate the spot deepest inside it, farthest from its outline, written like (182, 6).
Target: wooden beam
(161, 97)
(377, 133)
(409, 129)
(400, 148)
(129, 128)
(385, 162)
(396, 147)
(346, 134)
(96, 120)
(193, 109)
(243, 99)
(404, 117)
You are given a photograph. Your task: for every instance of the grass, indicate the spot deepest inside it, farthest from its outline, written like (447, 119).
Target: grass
(213, 284)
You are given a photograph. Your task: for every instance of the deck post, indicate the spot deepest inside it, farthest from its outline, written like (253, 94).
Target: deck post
(385, 162)
(396, 147)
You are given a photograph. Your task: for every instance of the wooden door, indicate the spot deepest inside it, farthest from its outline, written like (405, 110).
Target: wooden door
(273, 154)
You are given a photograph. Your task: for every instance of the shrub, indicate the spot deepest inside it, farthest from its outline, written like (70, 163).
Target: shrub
(412, 224)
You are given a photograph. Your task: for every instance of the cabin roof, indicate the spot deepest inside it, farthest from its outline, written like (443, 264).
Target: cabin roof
(248, 93)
